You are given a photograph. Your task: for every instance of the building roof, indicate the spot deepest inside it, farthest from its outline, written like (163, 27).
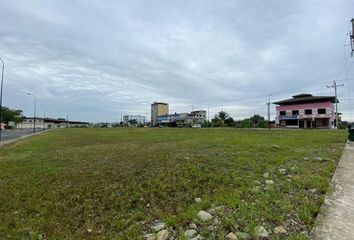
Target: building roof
(57, 120)
(162, 103)
(305, 98)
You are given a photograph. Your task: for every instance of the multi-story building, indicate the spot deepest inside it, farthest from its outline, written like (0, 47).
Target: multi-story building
(158, 109)
(306, 111)
(175, 119)
(197, 117)
(138, 118)
(182, 119)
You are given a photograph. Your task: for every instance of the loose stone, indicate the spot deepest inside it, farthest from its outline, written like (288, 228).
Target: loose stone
(280, 230)
(158, 226)
(198, 237)
(269, 182)
(190, 233)
(204, 216)
(231, 236)
(261, 232)
(257, 182)
(243, 236)
(162, 235)
(149, 236)
(193, 226)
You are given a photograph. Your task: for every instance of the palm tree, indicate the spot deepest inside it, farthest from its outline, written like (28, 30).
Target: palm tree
(220, 117)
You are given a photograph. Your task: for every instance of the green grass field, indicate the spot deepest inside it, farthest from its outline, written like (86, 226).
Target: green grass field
(113, 183)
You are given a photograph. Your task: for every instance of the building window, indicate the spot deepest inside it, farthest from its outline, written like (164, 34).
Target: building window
(295, 112)
(282, 113)
(321, 111)
(308, 111)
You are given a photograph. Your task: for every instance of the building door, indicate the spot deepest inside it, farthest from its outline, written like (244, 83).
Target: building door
(308, 124)
(301, 124)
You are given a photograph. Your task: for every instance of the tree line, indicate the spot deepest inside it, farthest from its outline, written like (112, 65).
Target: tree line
(223, 119)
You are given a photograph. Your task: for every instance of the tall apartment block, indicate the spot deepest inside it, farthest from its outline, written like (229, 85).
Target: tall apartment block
(157, 109)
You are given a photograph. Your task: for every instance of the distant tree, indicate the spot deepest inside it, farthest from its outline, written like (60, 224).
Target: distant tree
(258, 121)
(11, 115)
(245, 123)
(132, 121)
(116, 124)
(104, 125)
(221, 118)
(206, 124)
(229, 122)
(343, 125)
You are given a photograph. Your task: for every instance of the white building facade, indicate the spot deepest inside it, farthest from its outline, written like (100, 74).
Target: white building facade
(140, 119)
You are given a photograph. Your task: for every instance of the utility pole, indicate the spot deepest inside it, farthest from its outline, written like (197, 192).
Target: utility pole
(34, 111)
(335, 85)
(208, 116)
(352, 37)
(67, 121)
(269, 110)
(43, 118)
(1, 88)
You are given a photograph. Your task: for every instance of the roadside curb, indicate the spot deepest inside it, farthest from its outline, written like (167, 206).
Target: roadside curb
(336, 217)
(3, 143)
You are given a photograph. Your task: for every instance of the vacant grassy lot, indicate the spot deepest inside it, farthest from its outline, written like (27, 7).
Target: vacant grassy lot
(113, 183)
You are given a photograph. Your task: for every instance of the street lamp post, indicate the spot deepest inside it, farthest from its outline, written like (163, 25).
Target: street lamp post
(34, 113)
(43, 118)
(1, 88)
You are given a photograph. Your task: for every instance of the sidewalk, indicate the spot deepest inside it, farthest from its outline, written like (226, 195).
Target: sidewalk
(336, 218)
(3, 143)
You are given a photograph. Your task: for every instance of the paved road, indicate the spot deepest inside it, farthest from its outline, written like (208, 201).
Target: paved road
(336, 218)
(7, 135)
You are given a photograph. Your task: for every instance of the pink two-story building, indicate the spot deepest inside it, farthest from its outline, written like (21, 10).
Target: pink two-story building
(306, 111)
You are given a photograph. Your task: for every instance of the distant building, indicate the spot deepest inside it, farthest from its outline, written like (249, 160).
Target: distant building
(28, 122)
(197, 117)
(306, 111)
(138, 118)
(158, 109)
(182, 119)
(173, 120)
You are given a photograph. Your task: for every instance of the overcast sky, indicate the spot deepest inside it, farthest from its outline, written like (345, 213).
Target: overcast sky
(95, 60)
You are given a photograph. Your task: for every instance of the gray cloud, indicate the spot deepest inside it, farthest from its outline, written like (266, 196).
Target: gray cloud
(97, 60)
